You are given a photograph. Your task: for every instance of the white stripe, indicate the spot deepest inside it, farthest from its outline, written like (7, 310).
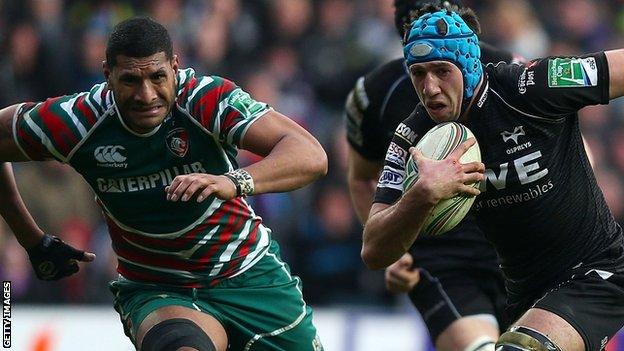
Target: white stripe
(216, 123)
(109, 112)
(249, 122)
(97, 96)
(186, 254)
(216, 269)
(215, 205)
(19, 146)
(263, 242)
(603, 274)
(44, 138)
(226, 256)
(182, 81)
(184, 274)
(256, 259)
(67, 106)
(203, 81)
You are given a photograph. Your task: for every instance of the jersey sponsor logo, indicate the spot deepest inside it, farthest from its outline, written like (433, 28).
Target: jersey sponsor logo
(110, 156)
(527, 78)
(531, 193)
(405, 133)
(527, 171)
(391, 178)
(146, 182)
(178, 142)
(243, 103)
(518, 131)
(572, 72)
(396, 155)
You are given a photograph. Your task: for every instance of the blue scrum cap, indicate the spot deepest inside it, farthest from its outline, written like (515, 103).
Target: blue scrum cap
(444, 36)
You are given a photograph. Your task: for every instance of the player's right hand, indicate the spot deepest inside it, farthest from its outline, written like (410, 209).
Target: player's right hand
(447, 178)
(53, 259)
(400, 276)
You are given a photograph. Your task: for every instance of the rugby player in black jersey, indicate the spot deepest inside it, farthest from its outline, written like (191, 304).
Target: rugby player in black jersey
(453, 280)
(561, 250)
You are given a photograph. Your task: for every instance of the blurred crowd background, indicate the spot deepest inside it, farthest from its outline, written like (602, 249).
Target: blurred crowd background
(300, 56)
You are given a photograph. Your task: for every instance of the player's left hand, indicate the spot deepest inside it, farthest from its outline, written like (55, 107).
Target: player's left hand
(401, 276)
(200, 185)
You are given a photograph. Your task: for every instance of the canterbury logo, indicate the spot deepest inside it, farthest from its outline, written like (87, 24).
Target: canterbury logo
(518, 131)
(109, 154)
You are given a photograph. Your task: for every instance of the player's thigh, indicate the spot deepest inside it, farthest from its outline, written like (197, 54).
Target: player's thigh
(557, 329)
(471, 332)
(207, 323)
(581, 313)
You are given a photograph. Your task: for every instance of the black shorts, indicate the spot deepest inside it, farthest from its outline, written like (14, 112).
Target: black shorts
(456, 293)
(591, 300)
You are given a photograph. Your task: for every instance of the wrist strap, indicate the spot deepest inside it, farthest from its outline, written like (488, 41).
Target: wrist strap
(242, 180)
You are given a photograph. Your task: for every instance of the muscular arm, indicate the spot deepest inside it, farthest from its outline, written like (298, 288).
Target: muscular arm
(615, 58)
(391, 229)
(12, 208)
(292, 156)
(362, 178)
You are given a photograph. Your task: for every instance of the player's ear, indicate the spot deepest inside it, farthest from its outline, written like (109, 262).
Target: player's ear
(175, 63)
(106, 70)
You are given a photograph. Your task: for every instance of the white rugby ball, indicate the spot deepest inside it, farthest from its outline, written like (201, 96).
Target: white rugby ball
(437, 144)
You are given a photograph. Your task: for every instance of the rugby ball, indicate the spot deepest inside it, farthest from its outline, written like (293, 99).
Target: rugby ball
(437, 144)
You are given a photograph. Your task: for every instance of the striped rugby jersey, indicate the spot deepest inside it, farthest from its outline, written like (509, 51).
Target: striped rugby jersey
(186, 244)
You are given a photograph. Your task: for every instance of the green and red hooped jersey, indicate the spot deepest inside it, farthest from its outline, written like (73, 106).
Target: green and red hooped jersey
(186, 244)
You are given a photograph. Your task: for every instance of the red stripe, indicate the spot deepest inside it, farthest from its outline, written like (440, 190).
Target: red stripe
(188, 87)
(86, 110)
(35, 150)
(226, 234)
(57, 128)
(230, 119)
(205, 108)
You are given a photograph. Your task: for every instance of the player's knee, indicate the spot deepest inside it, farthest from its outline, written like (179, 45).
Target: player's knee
(523, 338)
(483, 343)
(177, 334)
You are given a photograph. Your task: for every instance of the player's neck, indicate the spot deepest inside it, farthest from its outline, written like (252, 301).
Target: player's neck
(463, 117)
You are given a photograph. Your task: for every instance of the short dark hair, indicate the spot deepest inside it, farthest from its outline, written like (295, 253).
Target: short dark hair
(138, 37)
(405, 11)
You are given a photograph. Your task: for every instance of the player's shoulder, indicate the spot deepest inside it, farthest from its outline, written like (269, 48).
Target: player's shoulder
(193, 88)
(379, 82)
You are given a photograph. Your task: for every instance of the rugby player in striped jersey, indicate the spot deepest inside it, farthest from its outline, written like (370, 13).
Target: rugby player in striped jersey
(198, 270)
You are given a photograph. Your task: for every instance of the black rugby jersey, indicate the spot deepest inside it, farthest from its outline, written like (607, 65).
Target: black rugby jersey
(374, 108)
(540, 204)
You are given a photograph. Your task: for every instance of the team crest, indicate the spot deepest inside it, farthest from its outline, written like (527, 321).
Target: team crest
(178, 142)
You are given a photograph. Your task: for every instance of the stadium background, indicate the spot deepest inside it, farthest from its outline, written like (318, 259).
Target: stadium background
(302, 57)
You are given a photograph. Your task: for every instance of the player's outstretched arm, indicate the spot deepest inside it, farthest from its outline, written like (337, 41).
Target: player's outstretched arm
(615, 58)
(392, 229)
(51, 258)
(362, 176)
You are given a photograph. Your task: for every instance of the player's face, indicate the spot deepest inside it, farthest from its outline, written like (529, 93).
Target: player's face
(144, 89)
(440, 87)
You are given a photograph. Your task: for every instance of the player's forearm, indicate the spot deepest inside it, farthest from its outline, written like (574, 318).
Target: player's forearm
(14, 211)
(389, 233)
(294, 162)
(362, 192)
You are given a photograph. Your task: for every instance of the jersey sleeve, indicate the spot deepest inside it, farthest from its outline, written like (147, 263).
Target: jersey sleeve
(554, 87)
(53, 128)
(363, 121)
(223, 108)
(407, 134)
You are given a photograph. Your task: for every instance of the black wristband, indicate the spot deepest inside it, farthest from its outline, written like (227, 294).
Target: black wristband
(236, 183)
